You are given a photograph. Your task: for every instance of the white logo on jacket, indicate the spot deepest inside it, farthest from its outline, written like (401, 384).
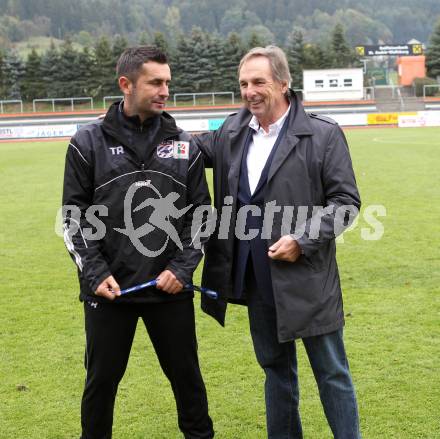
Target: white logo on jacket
(116, 150)
(163, 209)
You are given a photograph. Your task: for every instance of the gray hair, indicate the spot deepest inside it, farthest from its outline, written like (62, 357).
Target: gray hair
(277, 60)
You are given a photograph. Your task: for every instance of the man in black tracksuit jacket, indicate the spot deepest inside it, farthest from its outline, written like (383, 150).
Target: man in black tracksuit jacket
(132, 182)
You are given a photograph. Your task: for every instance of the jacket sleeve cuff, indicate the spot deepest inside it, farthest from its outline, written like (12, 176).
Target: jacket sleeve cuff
(181, 276)
(94, 284)
(308, 247)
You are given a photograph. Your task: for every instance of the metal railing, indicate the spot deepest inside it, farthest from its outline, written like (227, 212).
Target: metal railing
(11, 102)
(395, 89)
(212, 94)
(402, 102)
(71, 100)
(368, 93)
(429, 86)
(109, 98)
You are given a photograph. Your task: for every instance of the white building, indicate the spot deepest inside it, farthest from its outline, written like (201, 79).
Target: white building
(333, 84)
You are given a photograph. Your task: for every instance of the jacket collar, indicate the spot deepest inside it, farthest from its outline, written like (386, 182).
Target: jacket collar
(299, 124)
(122, 127)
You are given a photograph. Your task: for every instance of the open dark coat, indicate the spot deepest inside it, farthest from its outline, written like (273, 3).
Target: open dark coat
(311, 167)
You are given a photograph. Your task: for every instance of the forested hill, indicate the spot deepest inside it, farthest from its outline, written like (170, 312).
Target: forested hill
(365, 21)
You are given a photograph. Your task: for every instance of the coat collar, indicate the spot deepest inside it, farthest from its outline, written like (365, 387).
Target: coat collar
(299, 125)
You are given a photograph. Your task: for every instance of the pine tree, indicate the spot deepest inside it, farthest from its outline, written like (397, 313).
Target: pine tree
(433, 53)
(181, 82)
(144, 38)
(214, 55)
(49, 72)
(200, 69)
(233, 52)
(2, 76)
(104, 72)
(68, 71)
(255, 41)
(33, 86)
(160, 42)
(13, 70)
(87, 84)
(341, 52)
(316, 57)
(119, 45)
(295, 56)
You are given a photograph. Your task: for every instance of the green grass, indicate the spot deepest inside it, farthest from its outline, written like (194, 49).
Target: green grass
(392, 302)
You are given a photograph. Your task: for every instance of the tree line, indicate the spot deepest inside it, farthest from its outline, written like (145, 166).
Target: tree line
(366, 21)
(200, 62)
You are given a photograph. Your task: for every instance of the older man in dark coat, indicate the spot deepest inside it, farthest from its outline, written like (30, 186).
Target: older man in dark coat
(284, 188)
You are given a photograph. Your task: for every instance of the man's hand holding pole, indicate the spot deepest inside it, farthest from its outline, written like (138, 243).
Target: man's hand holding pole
(108, 288)
(168, 282)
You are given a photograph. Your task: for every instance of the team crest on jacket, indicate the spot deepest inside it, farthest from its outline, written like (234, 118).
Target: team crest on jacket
(165, 150)
(176, 149)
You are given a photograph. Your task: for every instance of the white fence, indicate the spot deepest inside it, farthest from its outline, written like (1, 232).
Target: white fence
(437, 86)
(11, 102)
(109, 98)
(59, 100)
(213, 95)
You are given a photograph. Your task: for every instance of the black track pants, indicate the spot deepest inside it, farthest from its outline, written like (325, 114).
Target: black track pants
(110, 330)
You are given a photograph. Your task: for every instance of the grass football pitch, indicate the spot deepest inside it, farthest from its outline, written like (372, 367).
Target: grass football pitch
(391, 296)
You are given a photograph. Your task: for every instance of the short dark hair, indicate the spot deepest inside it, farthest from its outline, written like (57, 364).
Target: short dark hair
(133, 58)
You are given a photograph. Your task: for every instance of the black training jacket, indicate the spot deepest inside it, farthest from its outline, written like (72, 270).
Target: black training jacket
(111, 163)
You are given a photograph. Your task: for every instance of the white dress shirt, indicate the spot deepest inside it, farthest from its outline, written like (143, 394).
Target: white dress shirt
(261, 147)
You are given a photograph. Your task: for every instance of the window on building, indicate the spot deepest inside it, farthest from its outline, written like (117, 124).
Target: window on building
(319, 83)
(348, 82)
(333, 82)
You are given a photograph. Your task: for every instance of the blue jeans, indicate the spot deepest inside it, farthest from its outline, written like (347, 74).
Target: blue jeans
(330, 366)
